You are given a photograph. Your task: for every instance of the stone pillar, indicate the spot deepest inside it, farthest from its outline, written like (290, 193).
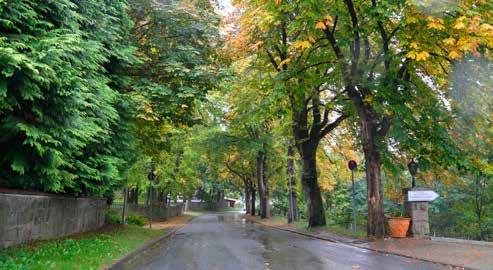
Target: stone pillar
(418, 212)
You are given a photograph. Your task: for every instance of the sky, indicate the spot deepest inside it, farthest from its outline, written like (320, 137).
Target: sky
(225, 7)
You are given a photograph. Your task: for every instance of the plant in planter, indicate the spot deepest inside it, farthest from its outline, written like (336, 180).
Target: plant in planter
(399, 223)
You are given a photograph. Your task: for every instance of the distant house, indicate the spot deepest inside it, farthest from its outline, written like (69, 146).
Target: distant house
(230, 202)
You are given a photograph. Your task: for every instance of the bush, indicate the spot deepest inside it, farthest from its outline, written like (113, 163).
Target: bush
(112, 217)
(136, 220)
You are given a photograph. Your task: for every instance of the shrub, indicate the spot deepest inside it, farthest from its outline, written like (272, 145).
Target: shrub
(136, 220)
(112, 217)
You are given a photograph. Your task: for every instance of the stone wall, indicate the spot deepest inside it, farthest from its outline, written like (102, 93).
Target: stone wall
(201, 206)
(28, 217)
(158, 212)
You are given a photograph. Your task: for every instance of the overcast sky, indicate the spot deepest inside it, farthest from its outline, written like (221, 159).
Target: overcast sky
(225, 7)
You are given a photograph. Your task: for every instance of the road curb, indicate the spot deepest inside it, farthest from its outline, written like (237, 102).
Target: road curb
(121, 261)
(362, 247)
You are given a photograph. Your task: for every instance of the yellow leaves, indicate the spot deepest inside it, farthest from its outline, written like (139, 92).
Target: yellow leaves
(285, 62)
(302, 44)
(321, 26)
(418, 56)
(368, 99)
(422, 56)
(449, 41)
(464, 44)
(435, 23)
(415, 54)
(154, 50)
(329, 20)
(411, 54)
(460, 23)
(278, 2)
(454, 54)
(311, 39)
(486, 29)
(411, 19)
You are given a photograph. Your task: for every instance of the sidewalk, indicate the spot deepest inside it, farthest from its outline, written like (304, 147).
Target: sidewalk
(461, 254)
(318, 234)
(467, 255)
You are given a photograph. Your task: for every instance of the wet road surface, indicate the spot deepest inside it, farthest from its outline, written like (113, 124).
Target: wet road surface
(225, 241)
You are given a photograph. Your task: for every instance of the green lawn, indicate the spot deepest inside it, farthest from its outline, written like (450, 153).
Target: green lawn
(91, 251)
(360, 233)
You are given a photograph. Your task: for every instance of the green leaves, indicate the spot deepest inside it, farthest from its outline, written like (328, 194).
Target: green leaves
(59, 96)
(178, 45)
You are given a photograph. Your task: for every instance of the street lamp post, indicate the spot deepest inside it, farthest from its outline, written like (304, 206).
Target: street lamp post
(413, 169)
(352, 165)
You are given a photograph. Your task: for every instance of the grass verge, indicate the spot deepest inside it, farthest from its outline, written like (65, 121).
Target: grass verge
(86, 251)
(302, 224)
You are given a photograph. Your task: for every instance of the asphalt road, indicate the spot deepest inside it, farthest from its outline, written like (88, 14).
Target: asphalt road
(225, 241)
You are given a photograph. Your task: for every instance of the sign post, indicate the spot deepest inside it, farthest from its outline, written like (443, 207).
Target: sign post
(417, 200)
(421, 195)
(352, 165)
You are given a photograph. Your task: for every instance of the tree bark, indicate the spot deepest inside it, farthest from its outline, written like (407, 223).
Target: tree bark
(292, 205)
(252, 204)
(309, 181)
(247, 198)
(125, 199)
(375, 222)
(262, 186)
(133, 196)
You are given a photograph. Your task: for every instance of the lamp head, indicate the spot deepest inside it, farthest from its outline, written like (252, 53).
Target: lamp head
(413, 167)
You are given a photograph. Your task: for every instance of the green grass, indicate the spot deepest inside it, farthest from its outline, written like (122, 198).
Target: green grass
(360, 233)
(91, 251)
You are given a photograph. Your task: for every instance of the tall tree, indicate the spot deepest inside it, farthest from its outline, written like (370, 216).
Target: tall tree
(389, 56)
(390, 59)
(313, 102)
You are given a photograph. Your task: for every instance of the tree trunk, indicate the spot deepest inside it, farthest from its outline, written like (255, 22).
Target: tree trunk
(165, 199)
(129, 195)
(375, 223)
(262, 186)
(316, 214)
(292, 205)
(188, 202)
(247, 198)
(252, 204)
(125, 198)
(161, 198)
(133, 195)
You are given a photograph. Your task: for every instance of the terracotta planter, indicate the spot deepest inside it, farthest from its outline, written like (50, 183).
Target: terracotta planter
(399, 226)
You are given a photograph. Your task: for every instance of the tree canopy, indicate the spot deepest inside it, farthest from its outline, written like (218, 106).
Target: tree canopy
(269, 102)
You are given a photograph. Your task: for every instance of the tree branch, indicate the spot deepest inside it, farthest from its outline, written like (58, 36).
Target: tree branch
(332, 125)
